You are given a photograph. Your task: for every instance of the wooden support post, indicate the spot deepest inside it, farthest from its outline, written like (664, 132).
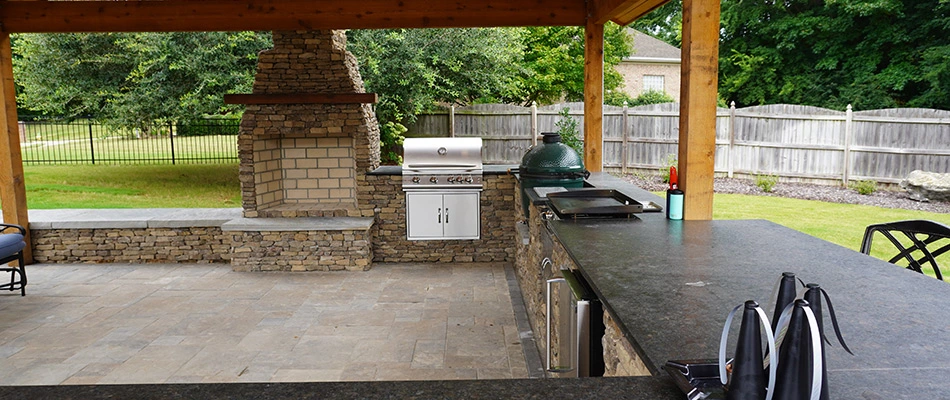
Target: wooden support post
(12, 186)
(593, 96)
(534, 124)
(452, 121)
(848, 138)
(697, 139)
(732, 140)
(623, 141)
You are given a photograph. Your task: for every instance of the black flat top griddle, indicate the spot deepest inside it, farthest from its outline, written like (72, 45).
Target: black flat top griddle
(593, 203)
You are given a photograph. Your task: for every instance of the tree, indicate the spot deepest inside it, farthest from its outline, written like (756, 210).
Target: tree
(133, 80)
(880, 54)
(553, 64)
(664, 23)
(413, 70)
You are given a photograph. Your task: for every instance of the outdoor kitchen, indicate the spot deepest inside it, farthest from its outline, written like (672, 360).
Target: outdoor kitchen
(655, 290)
(314, 195)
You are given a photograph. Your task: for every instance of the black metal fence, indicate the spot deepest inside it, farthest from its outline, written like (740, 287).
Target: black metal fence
(47, 142)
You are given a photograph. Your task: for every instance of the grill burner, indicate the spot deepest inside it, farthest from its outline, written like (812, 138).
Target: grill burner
(442, 163)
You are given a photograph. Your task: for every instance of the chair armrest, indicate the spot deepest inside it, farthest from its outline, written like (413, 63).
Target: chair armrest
(4, 227)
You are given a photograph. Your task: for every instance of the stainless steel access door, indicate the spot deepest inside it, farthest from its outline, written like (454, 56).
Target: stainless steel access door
(573, 314)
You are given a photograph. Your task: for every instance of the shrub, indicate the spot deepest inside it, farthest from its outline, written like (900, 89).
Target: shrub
(391, 137)
(617, 98)
(570, 134)
(864, 187)
(229, 125)
(651, 97)
(766, 182)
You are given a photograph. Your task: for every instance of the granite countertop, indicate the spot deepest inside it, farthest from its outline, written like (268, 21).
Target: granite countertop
(540, 389)
(671, 285)
(487, 169)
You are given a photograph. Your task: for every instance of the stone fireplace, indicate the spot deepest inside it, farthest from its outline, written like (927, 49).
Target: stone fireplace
(304, 143)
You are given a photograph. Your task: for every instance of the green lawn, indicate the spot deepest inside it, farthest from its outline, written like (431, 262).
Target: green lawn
(842, 224)
(133, 186)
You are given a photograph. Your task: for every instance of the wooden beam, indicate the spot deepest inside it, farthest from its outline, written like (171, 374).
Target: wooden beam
(306, 98)
(238, 15)
(622, 12)
(12, 186)
(697, 139)
(593, 96)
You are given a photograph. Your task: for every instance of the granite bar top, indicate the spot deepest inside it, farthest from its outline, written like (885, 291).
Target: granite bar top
(487, 169)
(129, 218)
(671, 285)
(541, 389)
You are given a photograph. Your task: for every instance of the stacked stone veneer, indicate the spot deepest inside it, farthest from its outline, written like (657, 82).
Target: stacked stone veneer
(384, 195)
(620, 357)
(131, 245)
(306, 250)
(303, 160)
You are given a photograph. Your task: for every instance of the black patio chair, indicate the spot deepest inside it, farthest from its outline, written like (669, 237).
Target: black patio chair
(12, 243)
(928, 240)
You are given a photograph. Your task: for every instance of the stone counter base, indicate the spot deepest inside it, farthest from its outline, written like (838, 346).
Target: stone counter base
(301, 251)
(135, 245)
(246, 251)
(619, 356)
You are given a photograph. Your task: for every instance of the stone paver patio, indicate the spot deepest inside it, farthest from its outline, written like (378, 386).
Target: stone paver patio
(162, 323)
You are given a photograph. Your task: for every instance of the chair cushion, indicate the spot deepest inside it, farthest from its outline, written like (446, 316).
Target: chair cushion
(10, 244)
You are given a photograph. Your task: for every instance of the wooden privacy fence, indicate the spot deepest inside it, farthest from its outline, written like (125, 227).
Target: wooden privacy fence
(788, 141)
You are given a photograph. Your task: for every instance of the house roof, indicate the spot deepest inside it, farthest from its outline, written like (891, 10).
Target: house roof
(647, 48)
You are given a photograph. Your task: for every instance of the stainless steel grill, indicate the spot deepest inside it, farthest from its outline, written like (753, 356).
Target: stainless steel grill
(442, 178)
(442, 163)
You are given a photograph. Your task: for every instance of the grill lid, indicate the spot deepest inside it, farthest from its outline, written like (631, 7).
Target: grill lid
(442, 154)
(551, 158)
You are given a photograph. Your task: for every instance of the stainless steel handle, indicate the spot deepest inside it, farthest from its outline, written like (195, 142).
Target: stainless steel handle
(440, 215)
(548, 322)
(446, 215)
(546, 262)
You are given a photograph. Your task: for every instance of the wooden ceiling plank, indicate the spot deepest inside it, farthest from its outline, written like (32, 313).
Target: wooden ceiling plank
(236, 15)
(635, 13)
(622, 12)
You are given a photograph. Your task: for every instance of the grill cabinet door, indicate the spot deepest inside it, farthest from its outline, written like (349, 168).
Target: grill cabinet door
(461, 216)
(424, 219)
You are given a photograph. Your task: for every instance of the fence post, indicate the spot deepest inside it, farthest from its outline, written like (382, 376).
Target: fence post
(847, 145)
(452, 120)
(92, 146)
(623, 141)
(171, 139)
(534, 123)
(732, 140)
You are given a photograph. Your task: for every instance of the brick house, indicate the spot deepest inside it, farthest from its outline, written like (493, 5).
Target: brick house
(652, 64)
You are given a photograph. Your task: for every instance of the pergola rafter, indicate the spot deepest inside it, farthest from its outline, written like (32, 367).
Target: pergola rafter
(701, 30)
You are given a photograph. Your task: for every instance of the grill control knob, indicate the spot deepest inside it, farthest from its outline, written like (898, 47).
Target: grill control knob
(434, 180)
(415, 179)
(468, 179)
(451, 179)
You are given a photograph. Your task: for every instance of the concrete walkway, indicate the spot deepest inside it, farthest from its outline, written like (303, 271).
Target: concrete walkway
(111, 323)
